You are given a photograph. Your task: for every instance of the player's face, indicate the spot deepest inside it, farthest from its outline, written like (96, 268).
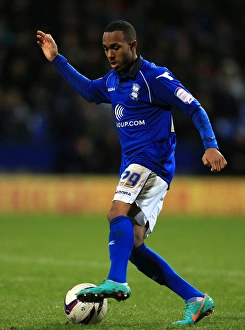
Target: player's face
(119, 52)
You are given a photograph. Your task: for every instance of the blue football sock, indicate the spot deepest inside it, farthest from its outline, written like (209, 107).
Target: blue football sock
(155, 267)
(121, 241)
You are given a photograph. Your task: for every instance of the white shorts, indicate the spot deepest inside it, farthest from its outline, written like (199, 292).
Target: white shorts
(140, 185)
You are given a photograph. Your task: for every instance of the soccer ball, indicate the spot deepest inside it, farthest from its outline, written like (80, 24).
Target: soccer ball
(83, 312)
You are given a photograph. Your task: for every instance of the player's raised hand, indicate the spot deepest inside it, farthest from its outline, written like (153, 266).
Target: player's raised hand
(48, 45)
(214, 159)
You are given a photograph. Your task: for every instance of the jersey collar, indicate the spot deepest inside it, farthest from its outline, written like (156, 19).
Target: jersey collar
(138, 63)
(135, 69)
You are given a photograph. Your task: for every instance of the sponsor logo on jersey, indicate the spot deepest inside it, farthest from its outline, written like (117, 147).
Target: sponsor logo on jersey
(183, 95)
(131, 123)
(119, 111)
(135, 92)
(111, 89)
(119, 115)
(123, 192)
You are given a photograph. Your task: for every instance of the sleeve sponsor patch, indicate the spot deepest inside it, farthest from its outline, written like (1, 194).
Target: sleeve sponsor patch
(183, 95)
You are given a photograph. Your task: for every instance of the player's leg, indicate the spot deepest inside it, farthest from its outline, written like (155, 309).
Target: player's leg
(121, 240)
(157, 268)
(149, 204)
(121, 236)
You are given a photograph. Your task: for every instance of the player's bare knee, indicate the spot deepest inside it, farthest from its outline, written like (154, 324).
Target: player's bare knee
(110, 216)
(114, 213)
(118, 208)
(138, 242)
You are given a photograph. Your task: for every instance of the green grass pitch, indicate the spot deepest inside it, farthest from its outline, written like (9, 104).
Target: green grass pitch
(42, 256)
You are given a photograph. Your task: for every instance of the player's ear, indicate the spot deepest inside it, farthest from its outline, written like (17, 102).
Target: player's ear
(133, 44)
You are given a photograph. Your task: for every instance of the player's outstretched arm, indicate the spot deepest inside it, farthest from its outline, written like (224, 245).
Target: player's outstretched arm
(48, 45)
(214, 159)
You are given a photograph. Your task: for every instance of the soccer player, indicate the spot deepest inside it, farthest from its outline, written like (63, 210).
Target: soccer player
(142, 95)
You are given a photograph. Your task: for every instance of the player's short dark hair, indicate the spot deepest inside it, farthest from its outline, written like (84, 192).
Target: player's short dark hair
(124, 26)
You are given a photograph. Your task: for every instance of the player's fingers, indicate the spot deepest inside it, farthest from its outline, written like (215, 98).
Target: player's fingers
(224, 162)
(221, 164)
(218, 165)
(40, 34)
(214, 169)
(205, 161)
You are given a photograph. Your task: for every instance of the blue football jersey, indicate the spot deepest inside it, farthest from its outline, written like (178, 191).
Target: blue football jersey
(141, 102)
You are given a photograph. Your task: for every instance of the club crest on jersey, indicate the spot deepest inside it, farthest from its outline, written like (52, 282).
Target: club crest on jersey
(135, 92)
(183, 95)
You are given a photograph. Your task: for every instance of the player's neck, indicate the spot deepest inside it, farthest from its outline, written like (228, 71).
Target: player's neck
(128, 68)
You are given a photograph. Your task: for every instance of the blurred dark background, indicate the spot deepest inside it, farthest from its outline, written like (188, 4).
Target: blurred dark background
(46, 127)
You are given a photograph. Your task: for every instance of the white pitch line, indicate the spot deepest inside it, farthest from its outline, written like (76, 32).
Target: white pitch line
(50, 261)
(99, 264)
(218, 272)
